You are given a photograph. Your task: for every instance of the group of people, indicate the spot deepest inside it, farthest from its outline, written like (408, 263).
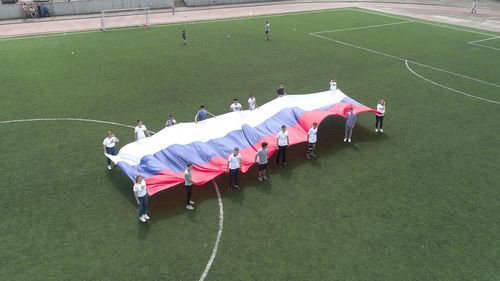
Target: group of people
(40, 11)
(234, 164)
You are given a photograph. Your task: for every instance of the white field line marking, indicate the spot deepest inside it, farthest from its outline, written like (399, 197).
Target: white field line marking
(68, 119)
(363, 27)
(485, 46)
(219, 234)
(420, 21)
(166, 24)
(402, 59)
(448, 88)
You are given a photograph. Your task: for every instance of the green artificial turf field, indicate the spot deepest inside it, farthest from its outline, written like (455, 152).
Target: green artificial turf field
(418, 202)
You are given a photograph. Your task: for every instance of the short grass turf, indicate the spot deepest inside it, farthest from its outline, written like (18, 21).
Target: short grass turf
(418, 202)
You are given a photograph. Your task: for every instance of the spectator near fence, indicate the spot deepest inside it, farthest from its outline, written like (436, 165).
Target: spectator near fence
(45, 11)
(25, 10)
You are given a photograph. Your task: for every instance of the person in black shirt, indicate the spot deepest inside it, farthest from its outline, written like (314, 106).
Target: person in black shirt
(281, 90)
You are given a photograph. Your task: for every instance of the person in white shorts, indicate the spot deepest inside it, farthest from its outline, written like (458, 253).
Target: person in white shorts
(235, 106)
(252, 104)
(140, 131)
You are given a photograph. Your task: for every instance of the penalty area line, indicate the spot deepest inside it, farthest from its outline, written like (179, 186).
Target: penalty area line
(448, 88)
(219, 234)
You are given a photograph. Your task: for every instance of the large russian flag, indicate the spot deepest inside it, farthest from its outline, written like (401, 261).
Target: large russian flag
(162, 158)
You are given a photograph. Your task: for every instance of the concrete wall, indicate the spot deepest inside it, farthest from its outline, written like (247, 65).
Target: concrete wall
(191, 3)
(13, 11)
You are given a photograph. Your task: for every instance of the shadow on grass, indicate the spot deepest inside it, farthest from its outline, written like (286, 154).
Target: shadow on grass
(172, 202)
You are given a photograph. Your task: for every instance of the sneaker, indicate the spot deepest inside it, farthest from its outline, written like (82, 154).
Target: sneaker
(146, 216)
(189, 207)
(109, 167)
(349, 140)
(259, 178)
(142, 219)
(308, 156)
(237, 186)
(313, 155)
(264, 177)
(376, 130)
(381, 130)
(285, 163)
(230, 189)
(345, 139)
(191, 202)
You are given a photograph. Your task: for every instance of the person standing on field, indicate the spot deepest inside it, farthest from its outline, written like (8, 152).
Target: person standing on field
(312, 137)
(184, 37)
(252, 103)
(282, 142)
(262, 156)
(141, 196)
(268, 25)
(109, 145)
(281, 90)
(234, 166)
(380, 117)
(188, 181)
(140, 131)
(349, 124)
(235, 106)
(202, 114)
(333, 85)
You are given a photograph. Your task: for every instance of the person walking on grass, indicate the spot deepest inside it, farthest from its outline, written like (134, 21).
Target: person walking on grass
(202, 114)
(109, 145)
(184, 37)
(333, 85)
(262, 156)
(252, 103)
(282, 142)
(171, 121)
(268, 26)
(380, 117)
(188, 181)
(234, 166)
(140, 131)
(141, 196)
(281, 90)
(349, 124)
(235, 106)
(312, 137)
(474, 6)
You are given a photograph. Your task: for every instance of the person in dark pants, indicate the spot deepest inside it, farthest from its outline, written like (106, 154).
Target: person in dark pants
(45, 11)
(188, 181)
(234, 166)
(39, 9)
(141, 196)
(282, 142)
(184, 37)
(109, 145)
(380, 117)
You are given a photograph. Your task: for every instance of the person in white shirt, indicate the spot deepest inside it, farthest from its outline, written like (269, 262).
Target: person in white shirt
(282, 142)
(141, 196)
(262, 155)
(312, 137)
(268, 26)
(234, 166)
(235, 106)
(109, 145)
(380, 117)
(188, 182)
(474, 6)
(140, 131)
(171, 121)
(252, 104)
(333, 85)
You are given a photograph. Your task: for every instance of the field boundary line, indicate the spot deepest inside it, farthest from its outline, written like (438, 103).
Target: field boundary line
(484, 46)
(219, 234)
(448, 88)
(363, 27)
(68, 119)
(402, 59)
